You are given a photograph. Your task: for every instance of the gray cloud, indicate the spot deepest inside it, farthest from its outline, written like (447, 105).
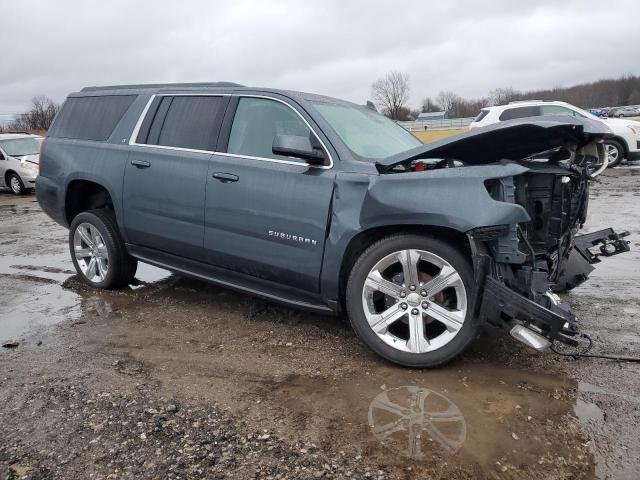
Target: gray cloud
(332, 47)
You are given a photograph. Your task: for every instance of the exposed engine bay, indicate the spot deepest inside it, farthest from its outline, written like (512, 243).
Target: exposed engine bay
(521, 266)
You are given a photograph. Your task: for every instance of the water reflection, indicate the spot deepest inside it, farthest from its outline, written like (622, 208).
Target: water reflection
(417, 422)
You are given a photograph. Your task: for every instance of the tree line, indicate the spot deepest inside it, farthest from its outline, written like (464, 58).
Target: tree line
(37, 118)
(391, 94)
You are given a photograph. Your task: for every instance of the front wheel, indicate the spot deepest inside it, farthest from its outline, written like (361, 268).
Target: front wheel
(16, 184)
(614, 152)
(410, 299)
(98, 252)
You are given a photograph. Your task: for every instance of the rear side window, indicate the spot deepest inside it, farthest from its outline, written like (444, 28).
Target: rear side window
(184, 122)
(257, 122)
(90, 118)
(481, 115)
(520, 112)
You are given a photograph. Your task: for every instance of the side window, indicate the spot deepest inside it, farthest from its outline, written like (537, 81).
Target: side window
(90, 118)
(520, 112)
(257, 122)
(557, 110)
(183, 121)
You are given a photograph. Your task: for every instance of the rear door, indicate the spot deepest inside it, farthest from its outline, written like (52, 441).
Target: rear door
(166, 173)
(266, 215)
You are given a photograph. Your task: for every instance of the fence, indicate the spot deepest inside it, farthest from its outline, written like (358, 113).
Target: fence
(448, 124)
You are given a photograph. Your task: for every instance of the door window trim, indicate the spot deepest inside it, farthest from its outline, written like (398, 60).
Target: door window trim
(136, 130)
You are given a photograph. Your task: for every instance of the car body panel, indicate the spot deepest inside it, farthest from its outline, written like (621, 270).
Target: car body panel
(282, 229)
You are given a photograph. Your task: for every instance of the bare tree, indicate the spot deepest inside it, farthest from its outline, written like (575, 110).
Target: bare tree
(391, 93)
(38, 117)
(447, 100)
(502, 96)
(428, 105)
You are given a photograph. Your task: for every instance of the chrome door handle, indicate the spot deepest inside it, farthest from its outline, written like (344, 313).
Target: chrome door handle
(140, 163)
(226, 177)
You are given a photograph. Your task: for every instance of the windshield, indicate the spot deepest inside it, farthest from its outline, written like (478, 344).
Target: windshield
(17, 147)
(366, 133)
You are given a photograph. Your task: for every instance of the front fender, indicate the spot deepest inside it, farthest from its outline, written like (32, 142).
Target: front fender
(454, 198)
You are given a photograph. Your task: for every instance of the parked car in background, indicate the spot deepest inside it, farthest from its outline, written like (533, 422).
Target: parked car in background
(599, 112)
(624, 112)
(19, 156)
(331, 207)
(624, 144)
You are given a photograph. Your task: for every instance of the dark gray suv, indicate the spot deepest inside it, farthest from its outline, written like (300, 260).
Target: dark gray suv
(329, 206)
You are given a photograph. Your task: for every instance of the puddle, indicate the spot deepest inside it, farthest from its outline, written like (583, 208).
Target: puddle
(414, 420)
(588, 412)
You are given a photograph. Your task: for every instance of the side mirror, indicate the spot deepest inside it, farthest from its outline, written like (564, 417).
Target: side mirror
(298, 147)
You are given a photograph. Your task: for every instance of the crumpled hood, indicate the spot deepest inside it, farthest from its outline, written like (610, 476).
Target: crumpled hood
(511, 140)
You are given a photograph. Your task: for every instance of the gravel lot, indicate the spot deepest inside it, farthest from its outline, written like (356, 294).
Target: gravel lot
(174, 378)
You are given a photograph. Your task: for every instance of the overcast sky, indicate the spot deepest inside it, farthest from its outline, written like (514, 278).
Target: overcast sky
(336, 48)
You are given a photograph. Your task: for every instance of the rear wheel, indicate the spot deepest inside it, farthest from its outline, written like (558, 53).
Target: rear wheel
(614, 152)
(16, 185)
(98, 252)
(409, 298)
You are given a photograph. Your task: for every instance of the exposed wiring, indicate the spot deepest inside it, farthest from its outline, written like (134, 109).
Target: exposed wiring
(585, 354)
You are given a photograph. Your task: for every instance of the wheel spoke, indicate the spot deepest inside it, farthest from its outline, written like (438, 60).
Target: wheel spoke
(383, 402)
(91, 268)
(85, 235)
(452, 319)
(102, 268)
(409, 261)
(447, 277)
(377, 282)
(102, 252)
(380, 322)
(82, 253)
(417, 342)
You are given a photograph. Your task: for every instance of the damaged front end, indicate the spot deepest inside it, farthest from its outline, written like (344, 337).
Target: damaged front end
(520, 267)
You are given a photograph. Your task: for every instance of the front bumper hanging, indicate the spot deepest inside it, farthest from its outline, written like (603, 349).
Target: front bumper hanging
(542, 318)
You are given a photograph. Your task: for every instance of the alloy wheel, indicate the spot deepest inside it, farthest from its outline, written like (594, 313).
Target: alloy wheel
(16, 187)
(414, 301)
(91, 252)
(612, 153)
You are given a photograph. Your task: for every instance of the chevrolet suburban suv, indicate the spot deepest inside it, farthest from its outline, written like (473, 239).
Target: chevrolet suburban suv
(328, 206)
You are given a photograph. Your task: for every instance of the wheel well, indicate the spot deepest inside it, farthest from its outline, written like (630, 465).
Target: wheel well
(362, 240)
(623, 143)
(83, 195)
(6, 176)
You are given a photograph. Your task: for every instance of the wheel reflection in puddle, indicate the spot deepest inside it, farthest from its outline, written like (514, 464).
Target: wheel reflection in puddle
(417, 422)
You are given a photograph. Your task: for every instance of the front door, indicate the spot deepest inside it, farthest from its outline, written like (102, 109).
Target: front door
(165, 178)
(266, 215)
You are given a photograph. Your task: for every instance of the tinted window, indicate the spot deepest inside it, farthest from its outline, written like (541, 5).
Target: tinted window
(90, 118)
(520, 112)
(481, 115)
(558, 110)
(257, 122)
(183, 121)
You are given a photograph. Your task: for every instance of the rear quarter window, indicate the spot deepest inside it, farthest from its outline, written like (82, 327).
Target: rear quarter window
(520, 112)
(481, 115)
(90, 118)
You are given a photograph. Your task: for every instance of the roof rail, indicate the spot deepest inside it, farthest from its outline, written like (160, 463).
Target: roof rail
(532, 100)
(161, 85)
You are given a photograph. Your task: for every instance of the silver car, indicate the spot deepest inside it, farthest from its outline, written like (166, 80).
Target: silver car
(19, 158)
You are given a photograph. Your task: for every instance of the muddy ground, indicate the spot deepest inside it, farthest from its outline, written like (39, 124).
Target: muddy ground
(175, 378)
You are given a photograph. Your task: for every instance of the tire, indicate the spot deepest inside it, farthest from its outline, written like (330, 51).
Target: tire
(614, 152)
(398, 343)
(94, 236)
(15, 184)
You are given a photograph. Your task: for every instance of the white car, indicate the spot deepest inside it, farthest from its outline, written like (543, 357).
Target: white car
(625, 143)
(19, 158)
